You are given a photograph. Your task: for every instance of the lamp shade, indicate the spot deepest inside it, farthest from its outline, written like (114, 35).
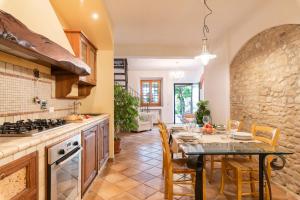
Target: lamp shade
(205, 57)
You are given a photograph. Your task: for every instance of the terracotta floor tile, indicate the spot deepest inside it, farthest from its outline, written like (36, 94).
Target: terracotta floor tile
(156, 196)
(153, 162)
(142, 191)
(143, 158)
(105, 189)
(130, 172)
(142, 177)
(155, 171)
(119, 167)
(156, 183)
(92, 196)
(127, 184)
(142, 166)
(115, 177)
(124, 196)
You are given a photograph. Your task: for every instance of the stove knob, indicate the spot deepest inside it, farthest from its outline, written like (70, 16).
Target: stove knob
(61, 152)
(75, 143)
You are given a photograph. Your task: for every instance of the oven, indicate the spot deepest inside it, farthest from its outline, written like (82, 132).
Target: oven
(64, 170)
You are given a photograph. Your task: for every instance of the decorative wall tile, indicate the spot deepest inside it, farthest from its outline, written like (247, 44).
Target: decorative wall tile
(17, 90)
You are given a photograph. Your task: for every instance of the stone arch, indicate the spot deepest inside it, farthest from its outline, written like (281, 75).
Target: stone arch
(265, 89)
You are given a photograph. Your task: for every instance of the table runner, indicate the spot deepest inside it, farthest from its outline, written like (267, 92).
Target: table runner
(206, 138)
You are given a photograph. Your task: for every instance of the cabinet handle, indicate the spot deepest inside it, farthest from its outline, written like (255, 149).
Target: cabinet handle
(2, 176)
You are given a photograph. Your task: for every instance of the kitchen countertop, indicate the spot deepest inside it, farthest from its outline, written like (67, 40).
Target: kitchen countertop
(12, 145)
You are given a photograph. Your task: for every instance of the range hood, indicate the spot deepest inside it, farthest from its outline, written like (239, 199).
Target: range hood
(17, 39)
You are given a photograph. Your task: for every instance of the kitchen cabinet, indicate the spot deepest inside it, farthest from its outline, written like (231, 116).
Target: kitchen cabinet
(103, 145)
(19, 179)
(86, 51)
(106, 140)
(89, 167)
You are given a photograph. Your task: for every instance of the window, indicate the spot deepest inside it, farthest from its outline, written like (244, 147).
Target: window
(151, 92)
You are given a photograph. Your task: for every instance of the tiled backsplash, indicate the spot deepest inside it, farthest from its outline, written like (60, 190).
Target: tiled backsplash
(18, 88)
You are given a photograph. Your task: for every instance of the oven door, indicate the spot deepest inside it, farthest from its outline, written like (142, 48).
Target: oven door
(65, 177)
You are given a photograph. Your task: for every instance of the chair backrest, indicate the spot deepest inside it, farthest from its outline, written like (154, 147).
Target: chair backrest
(166, 146)
(230, 122)
(161, 125)
(266, 134)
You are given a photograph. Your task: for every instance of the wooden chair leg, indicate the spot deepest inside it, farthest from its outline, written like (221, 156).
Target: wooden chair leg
(223, 177)
(212, 167)
(170, 185)
(166, 186)
(163, 167)
(252, 183)
(238, 176)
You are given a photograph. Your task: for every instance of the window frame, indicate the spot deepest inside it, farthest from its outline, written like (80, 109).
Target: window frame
(150, 81)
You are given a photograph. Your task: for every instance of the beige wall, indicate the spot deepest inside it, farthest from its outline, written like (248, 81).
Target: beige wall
(38, 16)
(217, 72)
(101, 99)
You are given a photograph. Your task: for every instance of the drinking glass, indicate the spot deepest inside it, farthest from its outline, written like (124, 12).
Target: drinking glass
(234, 126)
(206, 119)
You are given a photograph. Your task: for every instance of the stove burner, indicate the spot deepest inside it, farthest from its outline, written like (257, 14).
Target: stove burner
(23, 127)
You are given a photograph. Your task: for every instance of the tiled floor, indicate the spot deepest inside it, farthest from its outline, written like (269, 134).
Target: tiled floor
(136, 174)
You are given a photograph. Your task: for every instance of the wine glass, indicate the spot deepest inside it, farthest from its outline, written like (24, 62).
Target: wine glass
(206, 119)
(233, 127)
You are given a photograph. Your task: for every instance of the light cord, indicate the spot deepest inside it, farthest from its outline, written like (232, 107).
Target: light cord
(205, 28)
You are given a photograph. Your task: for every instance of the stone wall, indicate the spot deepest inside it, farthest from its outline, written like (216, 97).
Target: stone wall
(265, 89)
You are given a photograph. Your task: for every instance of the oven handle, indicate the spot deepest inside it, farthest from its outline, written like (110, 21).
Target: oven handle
(60, 163)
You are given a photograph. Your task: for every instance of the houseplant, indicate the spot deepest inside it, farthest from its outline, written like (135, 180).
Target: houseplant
(202, 111)
(125, 113)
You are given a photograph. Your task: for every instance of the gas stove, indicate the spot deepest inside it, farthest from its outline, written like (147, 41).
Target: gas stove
(29, 127)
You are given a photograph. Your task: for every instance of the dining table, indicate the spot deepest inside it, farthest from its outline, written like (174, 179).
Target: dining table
(196, 145)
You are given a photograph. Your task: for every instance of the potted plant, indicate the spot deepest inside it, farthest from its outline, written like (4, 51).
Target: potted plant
(202, 111)
(125, 113)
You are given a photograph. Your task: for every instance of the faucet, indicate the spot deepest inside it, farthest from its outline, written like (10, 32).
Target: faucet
(75, 104)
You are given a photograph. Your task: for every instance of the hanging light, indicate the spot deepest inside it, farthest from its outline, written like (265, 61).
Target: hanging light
(205, 55)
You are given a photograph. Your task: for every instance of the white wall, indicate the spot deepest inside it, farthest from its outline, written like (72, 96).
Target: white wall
(134, 77)
(216, 75)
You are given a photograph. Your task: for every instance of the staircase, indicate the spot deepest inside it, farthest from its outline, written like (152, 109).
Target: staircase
(121, 78)
(121, 72)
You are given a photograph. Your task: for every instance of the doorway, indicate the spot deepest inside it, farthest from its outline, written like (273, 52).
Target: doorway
(186, 97)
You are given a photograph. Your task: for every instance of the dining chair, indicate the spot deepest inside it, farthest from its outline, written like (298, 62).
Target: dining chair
(218, 159)
(247, 167)
(162, 126)
(178, 167)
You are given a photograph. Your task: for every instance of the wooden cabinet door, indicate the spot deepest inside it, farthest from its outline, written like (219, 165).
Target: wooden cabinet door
(106, 140)
(84, 51)
(92, 63)
(89, 157)
(19, 179)
(100, 146)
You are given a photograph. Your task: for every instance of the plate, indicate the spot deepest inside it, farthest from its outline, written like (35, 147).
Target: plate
(242, 136)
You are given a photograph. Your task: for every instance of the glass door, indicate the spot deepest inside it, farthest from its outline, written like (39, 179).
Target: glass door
(186, 97)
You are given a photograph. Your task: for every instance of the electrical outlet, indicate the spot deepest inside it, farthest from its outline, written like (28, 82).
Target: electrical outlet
(51, 109)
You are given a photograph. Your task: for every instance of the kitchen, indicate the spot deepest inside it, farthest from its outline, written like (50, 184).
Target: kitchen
(47, 149)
